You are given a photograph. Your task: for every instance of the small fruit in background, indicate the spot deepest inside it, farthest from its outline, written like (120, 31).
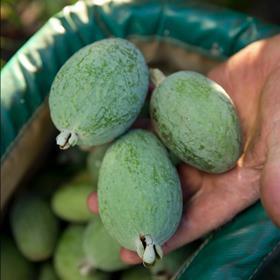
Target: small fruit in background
(101, 250)
(139, 192)
(13, 264)
(69, 202)
(196, 120)
(34, 227)
(69, 258)
(98, 93)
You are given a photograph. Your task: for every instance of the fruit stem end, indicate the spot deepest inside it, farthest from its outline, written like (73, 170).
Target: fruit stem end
(66, 139)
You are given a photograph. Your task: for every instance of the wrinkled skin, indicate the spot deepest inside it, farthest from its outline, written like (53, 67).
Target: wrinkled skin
(252, 79)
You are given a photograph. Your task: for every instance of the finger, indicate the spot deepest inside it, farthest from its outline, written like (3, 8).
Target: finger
(219, 199)
(129, 257)
(190, 178)
(92, 202)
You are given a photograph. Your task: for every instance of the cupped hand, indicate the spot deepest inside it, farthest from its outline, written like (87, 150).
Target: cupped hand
(252, 79)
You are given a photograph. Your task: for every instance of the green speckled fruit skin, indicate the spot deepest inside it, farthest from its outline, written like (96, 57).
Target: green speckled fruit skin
(139, 190)
(13, 265)
(196, 119)
(69, 256)
(47, 272)
(101, 250)
(70, 202)
(99, 91)
(34, 226)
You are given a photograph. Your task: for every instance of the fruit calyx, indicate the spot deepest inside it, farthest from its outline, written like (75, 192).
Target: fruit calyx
(147, 250)
(66, 139)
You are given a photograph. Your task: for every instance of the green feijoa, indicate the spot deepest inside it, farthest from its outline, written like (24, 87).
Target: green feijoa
(101, 250)
(137, 273)
(69, 202)
(34, 226)
(13, 264)
(140, 200)
(47, 272)
(94, 161)
(196, 119)
(69, 259)
(98, 93)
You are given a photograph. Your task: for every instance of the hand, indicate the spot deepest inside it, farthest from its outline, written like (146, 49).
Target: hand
(252, 79)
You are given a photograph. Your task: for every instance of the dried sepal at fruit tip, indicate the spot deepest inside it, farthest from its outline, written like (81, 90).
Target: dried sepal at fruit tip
(66, 139)
(147, 250)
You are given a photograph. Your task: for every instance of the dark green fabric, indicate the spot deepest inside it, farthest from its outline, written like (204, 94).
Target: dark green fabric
(233, 252)
(237, 250)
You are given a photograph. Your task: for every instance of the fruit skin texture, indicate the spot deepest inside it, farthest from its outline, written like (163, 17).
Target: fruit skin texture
(13, 264)
(99, 91)
(196, 119)
(101, 250)
(69, 257)
(34, 226)
(70, 202)
(139, 190)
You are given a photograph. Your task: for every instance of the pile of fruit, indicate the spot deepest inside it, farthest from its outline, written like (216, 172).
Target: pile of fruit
(95, 99)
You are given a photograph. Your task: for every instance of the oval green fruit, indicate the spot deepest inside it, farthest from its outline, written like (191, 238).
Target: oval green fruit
(101, 250)
(69, 258)
(70, 202)
(98, 93)
(196, 119)
(140, 200)
(13, 264)
(34, 226)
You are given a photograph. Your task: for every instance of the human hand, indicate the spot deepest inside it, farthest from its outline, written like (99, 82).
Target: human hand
(252, 79)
